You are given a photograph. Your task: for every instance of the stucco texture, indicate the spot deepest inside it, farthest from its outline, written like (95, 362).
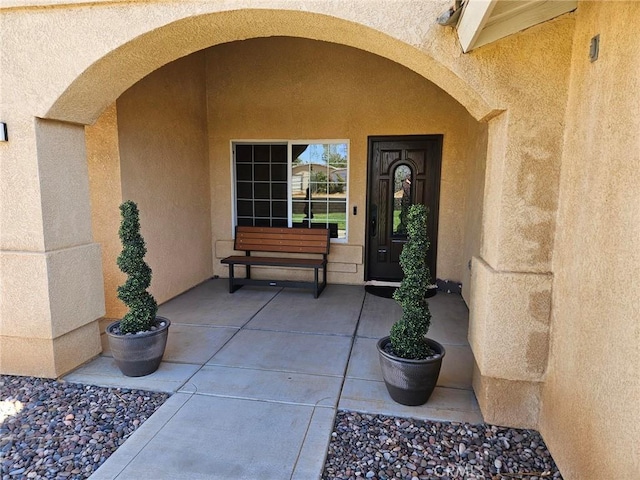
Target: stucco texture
(151, 147)
(103, 158)
(592, 390)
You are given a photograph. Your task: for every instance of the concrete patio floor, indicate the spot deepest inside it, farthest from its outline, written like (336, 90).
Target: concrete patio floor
(257, 378)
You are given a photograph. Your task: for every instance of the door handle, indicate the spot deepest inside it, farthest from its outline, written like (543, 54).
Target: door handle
(373, 223)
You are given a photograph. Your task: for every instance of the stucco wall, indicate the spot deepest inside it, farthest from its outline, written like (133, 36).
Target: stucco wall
(474, 204)
(48, 299)
(592, 392)
(165, 169)
(286, 88)
(103, 158)
(511, 280)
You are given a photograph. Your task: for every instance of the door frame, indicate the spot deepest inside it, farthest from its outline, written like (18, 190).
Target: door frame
(433, 216)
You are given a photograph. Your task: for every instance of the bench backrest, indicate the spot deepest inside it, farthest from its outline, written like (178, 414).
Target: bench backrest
(289, 240)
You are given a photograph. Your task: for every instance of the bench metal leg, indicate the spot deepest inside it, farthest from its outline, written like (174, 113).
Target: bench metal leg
(231, 278)
(232, 284)
(324, 275)
(319, 287)
(315, 283)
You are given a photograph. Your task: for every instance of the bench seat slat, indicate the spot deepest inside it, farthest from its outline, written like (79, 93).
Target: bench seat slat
(276, 261)
(282, 243)
(284, 238)
(287, 236)
(266, 242)
(281, 248)
(280, 230)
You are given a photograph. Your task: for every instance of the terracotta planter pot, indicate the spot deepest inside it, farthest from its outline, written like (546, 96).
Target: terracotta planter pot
(410, 382)
(140, 354)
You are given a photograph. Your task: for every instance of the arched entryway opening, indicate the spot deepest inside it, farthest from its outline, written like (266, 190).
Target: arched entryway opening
(168, 142)
(88, 94)
(116, 78)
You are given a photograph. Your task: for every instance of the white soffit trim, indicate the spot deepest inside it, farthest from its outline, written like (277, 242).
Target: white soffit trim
(474, 17)
(485, 21)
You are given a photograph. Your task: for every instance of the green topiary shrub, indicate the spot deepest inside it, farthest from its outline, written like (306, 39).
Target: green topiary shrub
(142, 305)
(408, 334)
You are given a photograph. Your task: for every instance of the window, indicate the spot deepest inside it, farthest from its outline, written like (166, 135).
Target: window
(402, 198)
(261, 185)
(299, 184)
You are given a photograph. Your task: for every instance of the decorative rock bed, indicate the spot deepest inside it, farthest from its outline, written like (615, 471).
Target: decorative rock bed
(51, 429)
(379, 447)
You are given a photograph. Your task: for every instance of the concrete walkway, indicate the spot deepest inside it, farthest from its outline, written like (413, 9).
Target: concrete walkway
(257, 378)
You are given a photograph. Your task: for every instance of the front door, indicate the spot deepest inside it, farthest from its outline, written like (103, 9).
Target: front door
(402, 171)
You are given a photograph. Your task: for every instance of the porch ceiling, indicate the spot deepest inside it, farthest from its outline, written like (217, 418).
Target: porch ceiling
(485, 21)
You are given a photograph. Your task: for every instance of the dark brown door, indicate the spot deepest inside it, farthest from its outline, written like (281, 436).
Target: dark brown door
(402, 171)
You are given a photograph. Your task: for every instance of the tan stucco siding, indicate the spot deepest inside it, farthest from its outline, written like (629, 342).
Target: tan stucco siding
(284, 88)
(164, 167)
(47, 297)
(473, 209)
(530, 74)
(592, 391)
(511, 280)
(103, 158)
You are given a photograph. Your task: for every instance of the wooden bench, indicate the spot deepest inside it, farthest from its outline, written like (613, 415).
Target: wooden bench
(280, 240)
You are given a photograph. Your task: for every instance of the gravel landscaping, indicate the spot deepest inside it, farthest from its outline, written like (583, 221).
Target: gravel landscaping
(378, 447)
(51, 429)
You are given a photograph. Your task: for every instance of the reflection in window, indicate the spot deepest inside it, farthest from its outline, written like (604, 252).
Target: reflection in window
(319, 186)
(402, 195)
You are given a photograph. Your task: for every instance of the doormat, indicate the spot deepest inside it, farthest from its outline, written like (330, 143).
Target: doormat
(380, 290)
(386, 291)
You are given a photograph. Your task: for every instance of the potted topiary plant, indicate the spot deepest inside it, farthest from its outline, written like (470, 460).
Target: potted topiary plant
(409, 360)
(137, 341)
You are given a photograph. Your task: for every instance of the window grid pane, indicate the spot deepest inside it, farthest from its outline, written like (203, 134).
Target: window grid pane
(261, 185)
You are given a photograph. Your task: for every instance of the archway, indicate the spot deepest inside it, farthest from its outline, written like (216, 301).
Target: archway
(271, 88)
(88, 93)
(145, 53)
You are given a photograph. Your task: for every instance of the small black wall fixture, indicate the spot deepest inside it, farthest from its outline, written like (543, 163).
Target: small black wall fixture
(4, 137)
(449, 18)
